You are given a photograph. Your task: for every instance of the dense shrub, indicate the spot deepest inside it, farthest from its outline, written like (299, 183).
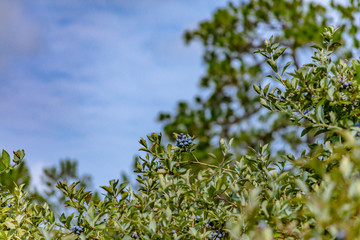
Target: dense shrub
(254, 196)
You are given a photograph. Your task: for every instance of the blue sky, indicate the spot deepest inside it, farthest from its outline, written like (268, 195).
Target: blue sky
(86, 79)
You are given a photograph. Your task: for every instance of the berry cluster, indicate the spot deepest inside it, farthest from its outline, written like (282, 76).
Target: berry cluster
(217, 235)
(183, 141)
(78, 230)
(345, 85)
(159, 167)
(210, 225)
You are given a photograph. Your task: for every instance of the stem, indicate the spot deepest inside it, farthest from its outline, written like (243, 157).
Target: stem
(194, 157)
(224, 199)
(208, 165)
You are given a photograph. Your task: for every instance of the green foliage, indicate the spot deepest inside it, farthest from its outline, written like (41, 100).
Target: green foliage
(252, 195)
(230, 108)
(19, 175)
(12, 176)
(66, 171)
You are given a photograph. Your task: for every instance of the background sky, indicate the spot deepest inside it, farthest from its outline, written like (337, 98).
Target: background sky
(86, 79)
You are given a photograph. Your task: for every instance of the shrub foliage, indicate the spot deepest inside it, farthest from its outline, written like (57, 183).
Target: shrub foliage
(251, 196)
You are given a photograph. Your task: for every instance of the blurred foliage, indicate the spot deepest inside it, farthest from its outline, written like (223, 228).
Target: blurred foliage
(230, 108)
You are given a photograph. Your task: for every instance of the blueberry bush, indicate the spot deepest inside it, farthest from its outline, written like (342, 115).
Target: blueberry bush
(251, 196)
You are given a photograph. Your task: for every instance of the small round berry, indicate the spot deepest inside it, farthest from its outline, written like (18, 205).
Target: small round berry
(134, 236)
(341, 235)
(159, 167)
(262, 224)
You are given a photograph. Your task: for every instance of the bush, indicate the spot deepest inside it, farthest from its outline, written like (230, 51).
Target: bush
(254, 196)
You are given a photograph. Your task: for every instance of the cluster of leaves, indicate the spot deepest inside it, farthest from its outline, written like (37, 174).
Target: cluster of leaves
(253, 196)
(19, 217)
(66, 171)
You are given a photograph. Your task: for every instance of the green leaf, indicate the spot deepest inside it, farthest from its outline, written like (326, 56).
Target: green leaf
(278, 53)
(143, 142)
(152, 226)
(264, 103)
(346, 166)
(168, 213)
(320, 112)
(331, 91)
(302, 185)
(266, 89)
(212, 155)
(263, 208)
(5, 159)
(272, 64)
(316, 47)
(256, 88)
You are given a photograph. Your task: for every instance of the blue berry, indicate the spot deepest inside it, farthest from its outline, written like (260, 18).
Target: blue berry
(210, 225)
(345, 85)
(159, 167)
(341, 235)
(183, 141)
(357, 124)
(217, 235)
(78, 230)
(134, 236)
(262, 224)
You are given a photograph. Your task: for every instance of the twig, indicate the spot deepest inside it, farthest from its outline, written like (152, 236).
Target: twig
(224, 199)
(209, 165)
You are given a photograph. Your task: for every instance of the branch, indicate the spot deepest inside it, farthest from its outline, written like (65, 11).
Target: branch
(224, 199)
(208, 165)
